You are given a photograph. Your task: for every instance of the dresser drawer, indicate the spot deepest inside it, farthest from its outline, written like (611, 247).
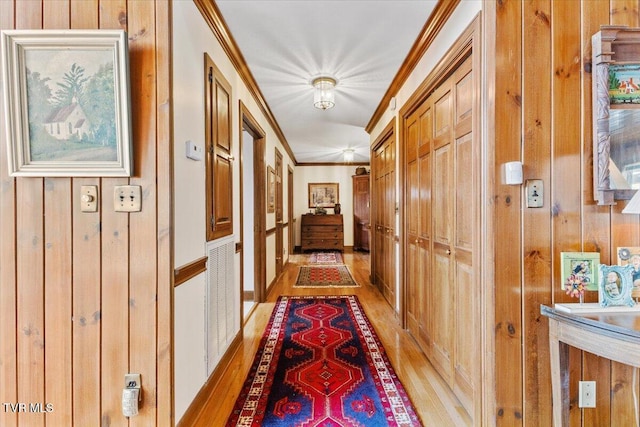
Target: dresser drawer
(322, 244)
(321, 228)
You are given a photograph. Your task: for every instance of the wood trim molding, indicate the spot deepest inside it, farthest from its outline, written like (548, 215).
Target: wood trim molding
(333, 164)
(188, 271)
(456, 55)
(271, 231)
(442, 12)
(213, 17)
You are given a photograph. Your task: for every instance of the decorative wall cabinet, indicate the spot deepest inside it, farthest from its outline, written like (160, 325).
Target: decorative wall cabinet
(616, 113)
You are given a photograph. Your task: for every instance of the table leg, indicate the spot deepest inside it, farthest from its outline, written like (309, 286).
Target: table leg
(559, 376)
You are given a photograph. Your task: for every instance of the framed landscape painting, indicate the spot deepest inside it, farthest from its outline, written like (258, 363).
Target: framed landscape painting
(67, 102)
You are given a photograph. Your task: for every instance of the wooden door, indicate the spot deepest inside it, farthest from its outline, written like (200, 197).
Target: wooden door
(290, 217)
(441, 287)
(418, 131)
(279, 214)
(361, 212)
(219, 167)
(412, 226)
(467, 309)
(388, 182)
(384, 216)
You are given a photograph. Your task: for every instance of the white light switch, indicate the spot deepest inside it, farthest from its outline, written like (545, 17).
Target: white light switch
(127, 198)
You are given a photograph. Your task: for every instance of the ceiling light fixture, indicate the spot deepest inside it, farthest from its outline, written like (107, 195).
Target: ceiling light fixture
(324, 97)
(348, 154)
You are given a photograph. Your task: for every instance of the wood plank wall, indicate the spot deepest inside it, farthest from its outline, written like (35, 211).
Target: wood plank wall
(543, 118)
(86, 297)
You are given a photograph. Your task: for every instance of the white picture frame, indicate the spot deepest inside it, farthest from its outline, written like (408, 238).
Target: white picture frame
(66, 99)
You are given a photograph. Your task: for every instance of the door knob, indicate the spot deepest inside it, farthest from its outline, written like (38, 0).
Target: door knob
(448, 251)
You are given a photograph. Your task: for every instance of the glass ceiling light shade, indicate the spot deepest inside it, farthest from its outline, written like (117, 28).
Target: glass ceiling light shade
(324, 97)
(633, 207)
(348, 154)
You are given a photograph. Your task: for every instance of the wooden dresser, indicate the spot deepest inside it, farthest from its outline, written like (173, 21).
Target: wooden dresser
(322, 232)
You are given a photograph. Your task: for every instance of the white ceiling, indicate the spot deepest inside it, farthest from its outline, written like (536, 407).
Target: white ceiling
(361, 43)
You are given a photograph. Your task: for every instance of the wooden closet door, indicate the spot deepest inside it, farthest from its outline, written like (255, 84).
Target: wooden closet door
(385, 216)
(412, 226)
(378, 266)
(361, 212)
(441, 288)
(418, 222)
(466, 297)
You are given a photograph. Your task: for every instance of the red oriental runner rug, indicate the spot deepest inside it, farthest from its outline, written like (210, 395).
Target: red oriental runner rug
(321, 364)
(316, 276)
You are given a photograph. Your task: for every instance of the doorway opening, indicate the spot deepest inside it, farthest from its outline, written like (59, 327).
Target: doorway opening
(253, 200)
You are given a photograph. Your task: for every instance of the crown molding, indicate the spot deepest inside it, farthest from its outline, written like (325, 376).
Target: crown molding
(213, 17)
(432, 27)
(332, 164)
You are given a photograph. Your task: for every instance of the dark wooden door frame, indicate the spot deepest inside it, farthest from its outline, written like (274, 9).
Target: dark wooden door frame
(290, 218)
(279, 213)
(249, 124)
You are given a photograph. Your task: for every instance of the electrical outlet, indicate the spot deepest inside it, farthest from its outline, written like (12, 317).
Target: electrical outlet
(587, 394)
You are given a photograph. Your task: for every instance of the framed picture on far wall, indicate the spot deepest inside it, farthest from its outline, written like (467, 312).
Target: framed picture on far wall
(581, 264)
(67, 102)
(271, 189)
(323, 195)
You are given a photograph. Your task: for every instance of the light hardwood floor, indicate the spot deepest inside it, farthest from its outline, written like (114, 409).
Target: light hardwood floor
(431, 398)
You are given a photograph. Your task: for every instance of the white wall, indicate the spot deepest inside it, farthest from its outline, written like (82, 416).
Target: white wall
(191, 38)
(303, 175)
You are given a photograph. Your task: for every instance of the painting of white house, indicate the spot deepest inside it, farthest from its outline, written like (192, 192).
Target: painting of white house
(71, 105)
(624, 84)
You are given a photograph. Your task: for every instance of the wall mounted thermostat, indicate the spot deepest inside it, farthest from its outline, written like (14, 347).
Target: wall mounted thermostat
(194, 152)
(512, 173)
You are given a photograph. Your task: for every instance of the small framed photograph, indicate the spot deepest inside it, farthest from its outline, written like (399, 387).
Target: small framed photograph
(323, 195)
(583, 264)
(631, 256)
(67, 102)
(271, 189)
(615, 285)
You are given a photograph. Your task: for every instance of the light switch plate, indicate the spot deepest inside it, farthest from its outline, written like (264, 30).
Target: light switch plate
(535, 193)
(127, 198)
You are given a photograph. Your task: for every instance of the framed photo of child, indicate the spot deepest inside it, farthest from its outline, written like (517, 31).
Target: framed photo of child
(630, 255)
(615, 285)
(583, 264)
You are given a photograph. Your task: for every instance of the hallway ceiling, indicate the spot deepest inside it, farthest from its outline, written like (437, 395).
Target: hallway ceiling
(361, 43)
